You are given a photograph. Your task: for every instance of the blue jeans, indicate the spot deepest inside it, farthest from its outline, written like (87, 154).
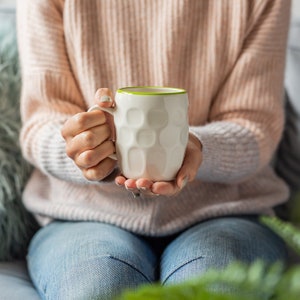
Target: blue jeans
(90, 260)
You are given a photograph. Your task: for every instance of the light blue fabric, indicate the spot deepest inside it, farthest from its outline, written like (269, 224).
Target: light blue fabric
(15, 283)
(87, 260)
(217, 242)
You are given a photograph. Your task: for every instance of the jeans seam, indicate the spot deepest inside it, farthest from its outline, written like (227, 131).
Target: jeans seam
(131, 266)
(180, 267)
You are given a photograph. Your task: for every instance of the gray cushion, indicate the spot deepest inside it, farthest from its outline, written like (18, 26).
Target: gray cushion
(7, 14)
(15, 283)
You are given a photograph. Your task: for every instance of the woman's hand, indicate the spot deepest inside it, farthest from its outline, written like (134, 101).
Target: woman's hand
(187, 172)
(88, 139)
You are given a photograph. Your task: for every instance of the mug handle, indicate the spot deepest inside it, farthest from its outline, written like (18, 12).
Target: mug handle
(110, 111)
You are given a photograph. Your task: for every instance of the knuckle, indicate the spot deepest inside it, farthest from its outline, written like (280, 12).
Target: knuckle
(89, 137)
(100, 115)
(64, 132)
(86, 158)
(81, 119)
(70, 151)
(89, 174)
(95, 173)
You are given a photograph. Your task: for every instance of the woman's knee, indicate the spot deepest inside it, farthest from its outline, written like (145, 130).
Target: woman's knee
(104, 277)
(216, 243)
(88, 260)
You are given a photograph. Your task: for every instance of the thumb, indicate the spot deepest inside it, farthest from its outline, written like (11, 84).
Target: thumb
(104, 97)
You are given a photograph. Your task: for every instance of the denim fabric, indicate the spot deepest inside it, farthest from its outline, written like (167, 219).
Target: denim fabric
(216, 243)
(89, 260)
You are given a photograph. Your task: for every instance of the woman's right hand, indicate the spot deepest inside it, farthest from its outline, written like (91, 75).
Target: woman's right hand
(88, 139)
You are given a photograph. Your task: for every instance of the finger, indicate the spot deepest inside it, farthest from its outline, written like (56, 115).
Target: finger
(102, 170)
(93, 157)
(191, 162)
(165, 188)
(130, 185)
(120, 180)
(87, 140)
(82, 122)
(104, 97)
(144, 185)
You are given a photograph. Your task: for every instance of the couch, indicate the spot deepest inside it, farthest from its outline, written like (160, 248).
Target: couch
(16, 225)
(15, 282)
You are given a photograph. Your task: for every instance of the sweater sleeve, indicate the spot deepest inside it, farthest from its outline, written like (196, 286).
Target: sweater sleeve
(50, 93)
(247, 116)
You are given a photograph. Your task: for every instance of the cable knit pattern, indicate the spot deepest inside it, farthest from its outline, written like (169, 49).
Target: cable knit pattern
(229, 57)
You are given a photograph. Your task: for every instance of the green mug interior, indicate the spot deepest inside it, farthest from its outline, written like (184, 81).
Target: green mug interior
(150, 90)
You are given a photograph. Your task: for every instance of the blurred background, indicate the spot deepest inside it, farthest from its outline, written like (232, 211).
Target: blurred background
(296, 9)
(295, 6)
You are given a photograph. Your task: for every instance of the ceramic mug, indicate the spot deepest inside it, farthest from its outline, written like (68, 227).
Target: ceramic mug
(151, 131)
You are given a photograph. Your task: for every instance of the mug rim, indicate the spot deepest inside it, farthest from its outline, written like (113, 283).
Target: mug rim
(168, 90)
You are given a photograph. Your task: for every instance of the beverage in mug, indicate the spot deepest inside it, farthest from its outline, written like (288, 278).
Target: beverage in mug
(151, 131)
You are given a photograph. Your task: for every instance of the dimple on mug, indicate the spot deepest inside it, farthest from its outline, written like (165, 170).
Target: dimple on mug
(151, 131)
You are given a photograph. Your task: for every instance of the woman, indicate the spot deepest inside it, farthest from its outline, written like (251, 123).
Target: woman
(97, 239)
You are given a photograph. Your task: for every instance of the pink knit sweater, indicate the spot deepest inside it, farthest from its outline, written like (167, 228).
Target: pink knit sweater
(229, 56)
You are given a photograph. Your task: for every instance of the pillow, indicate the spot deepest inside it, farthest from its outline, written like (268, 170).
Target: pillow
(16, 225)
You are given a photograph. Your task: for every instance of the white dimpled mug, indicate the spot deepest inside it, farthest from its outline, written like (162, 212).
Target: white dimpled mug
(151, 131)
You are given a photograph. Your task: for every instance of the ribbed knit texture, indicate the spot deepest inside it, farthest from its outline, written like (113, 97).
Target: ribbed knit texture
(229, 56)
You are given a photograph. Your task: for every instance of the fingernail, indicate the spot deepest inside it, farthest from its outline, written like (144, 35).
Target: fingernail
(143, 188)
(129, 189)
(184, 182)
(105, 99)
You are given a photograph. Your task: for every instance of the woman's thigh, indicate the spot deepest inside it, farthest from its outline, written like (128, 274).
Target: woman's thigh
(217, 242)
(88, 260)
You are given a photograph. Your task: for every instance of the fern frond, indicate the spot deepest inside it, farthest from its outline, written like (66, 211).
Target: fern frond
(287, 231)
(289, 285)
(236, 282)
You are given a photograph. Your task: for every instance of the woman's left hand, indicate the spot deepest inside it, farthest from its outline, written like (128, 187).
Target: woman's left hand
(187, 173)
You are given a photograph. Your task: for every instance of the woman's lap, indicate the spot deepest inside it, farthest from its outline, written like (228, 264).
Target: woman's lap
(85, 260)
(217, 242)
(82, 260)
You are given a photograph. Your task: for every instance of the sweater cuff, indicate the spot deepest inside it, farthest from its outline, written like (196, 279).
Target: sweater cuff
(230, 152)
